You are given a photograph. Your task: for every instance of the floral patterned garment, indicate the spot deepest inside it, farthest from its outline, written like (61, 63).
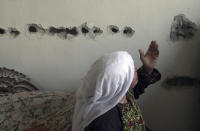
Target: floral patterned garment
(131, 116)
(36, 111)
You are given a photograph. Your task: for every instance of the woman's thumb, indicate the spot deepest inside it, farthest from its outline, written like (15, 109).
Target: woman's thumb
(141, 54)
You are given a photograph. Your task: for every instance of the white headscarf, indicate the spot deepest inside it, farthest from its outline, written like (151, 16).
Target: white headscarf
(105, 84)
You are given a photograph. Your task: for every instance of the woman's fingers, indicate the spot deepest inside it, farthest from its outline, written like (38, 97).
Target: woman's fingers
(155, 49)
(151, 54)
(141, 54)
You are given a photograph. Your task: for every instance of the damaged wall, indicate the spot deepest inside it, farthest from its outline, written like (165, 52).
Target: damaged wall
(59, 64)
(182, 28)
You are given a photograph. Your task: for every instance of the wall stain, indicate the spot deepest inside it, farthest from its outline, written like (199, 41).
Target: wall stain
(14, 32)
(2, 31)
(182, 28)
(178, 82)
(128, 31)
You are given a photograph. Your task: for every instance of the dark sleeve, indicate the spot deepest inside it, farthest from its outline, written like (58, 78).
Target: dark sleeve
(110, 121)
(144, 80)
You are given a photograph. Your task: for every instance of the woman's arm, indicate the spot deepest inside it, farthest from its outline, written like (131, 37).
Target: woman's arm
(147, 74)
(144, 80)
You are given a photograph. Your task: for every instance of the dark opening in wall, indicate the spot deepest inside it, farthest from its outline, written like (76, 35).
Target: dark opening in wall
(34, 28)
(84, 30)
(14, 32)
(67, 30)
(73, 31)
(128, 31)
(94, 31)
(59, 31)
(113, 29)
(54, 30)
(2, 31)
(97, 30)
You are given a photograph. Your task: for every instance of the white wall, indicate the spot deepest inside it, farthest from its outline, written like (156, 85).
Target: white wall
(56, 64)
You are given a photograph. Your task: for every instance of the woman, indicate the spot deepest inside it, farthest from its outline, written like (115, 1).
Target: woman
(106, 100)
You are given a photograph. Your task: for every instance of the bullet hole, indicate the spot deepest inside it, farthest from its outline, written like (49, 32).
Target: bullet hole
(128, 31)
(34, 28)
(182, 28)
(97, 30)
(2, 31)
(180, 82)
(14, 32)
(63, 32)
(84, 30)
(66, 30)
(73, 31)
(54, 30)
(60, 31)
(113, 29)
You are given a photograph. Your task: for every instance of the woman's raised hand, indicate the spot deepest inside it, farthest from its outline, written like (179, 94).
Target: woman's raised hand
(149, 59)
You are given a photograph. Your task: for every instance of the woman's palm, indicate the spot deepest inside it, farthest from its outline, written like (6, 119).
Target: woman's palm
(150, 58)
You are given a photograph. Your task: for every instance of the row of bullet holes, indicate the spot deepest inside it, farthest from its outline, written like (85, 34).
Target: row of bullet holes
(73, 31)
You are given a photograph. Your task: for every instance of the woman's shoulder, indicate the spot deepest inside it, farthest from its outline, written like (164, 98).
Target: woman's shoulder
(109, 121)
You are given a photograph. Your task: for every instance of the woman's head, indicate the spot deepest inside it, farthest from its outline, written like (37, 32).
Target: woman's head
(105, 84)
(110, 72)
